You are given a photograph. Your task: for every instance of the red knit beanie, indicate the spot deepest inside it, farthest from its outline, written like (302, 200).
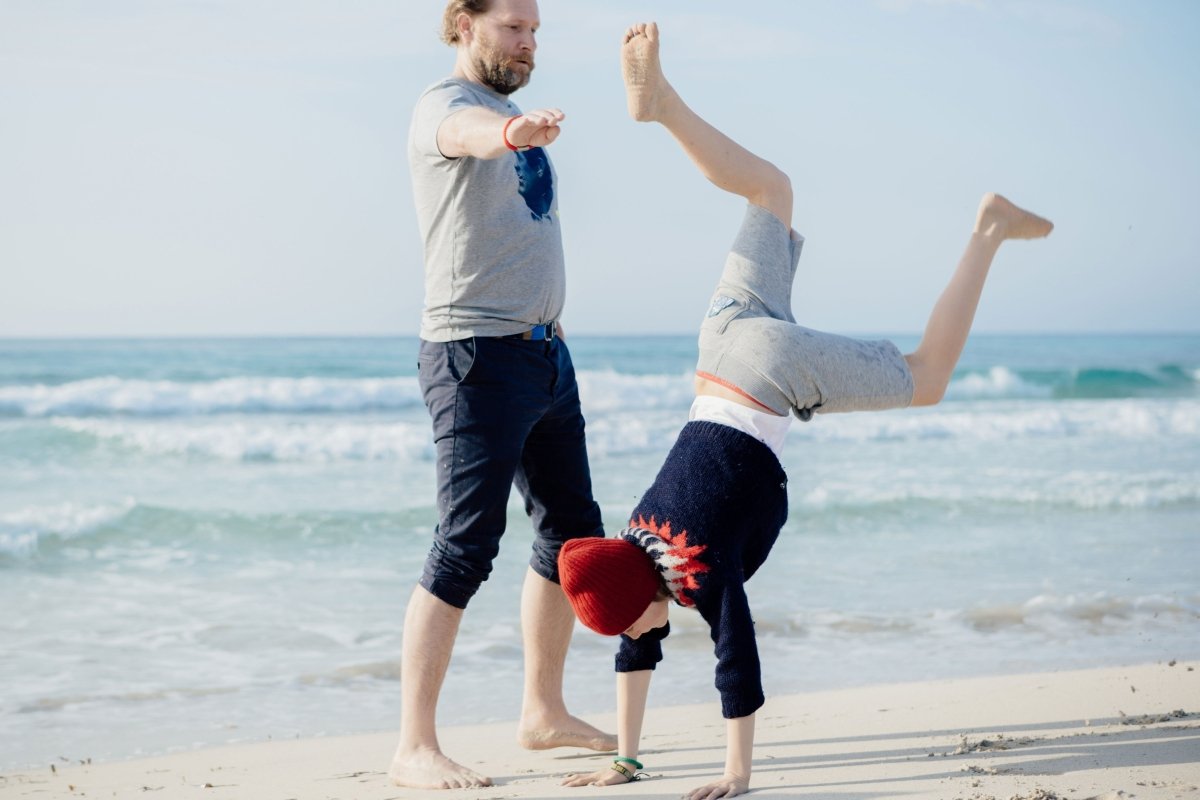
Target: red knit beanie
(610, 582)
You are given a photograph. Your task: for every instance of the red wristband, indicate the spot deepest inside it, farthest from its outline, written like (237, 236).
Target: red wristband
(507, 143)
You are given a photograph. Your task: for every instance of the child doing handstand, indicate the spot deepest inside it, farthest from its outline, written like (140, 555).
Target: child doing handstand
(714, 511)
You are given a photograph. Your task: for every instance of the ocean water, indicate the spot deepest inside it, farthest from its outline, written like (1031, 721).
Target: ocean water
(213, 541)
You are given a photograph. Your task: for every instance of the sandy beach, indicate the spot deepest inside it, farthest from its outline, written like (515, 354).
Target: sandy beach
(1104, 733)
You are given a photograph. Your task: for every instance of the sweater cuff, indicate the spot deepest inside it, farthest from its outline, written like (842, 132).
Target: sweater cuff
(741, 704)
(643, 652)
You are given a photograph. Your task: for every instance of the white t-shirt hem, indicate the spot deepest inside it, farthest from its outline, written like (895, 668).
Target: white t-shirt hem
(770, 429)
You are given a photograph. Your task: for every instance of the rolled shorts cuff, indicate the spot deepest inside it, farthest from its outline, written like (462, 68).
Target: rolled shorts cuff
(544, 560)
(448, 592)
(538, 564)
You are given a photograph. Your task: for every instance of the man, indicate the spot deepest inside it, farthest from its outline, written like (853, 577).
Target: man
(496, 377)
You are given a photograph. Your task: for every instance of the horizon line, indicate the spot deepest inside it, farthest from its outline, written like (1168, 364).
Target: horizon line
(118, 337)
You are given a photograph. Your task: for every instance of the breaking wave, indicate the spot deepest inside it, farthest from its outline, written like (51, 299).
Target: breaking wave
(116, 397)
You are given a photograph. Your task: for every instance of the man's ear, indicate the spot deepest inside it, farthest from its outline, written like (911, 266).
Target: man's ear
(464, 25)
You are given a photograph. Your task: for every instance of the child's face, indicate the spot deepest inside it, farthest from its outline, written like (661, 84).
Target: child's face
(655, 616)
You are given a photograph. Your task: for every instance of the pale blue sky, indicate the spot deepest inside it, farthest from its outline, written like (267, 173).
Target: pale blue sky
(197, 167)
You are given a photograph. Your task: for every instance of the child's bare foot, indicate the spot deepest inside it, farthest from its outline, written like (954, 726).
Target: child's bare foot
(568, 732)
(646, 89)
(429, 769)
(1000, 218)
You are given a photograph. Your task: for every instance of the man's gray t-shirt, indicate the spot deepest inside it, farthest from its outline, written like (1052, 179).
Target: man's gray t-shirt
(493, 249)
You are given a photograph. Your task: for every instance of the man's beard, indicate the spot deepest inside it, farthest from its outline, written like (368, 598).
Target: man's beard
(496, 72)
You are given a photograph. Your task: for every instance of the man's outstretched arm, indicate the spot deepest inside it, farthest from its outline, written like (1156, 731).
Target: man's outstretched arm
(481, 133)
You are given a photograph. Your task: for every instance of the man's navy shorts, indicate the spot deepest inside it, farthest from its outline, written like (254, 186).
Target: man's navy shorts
(505, 411)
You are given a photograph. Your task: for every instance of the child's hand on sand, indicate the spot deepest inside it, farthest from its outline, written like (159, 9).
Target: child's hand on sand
(604, 777)
(727, 786)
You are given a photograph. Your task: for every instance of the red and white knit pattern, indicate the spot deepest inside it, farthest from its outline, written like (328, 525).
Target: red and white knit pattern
(678, 561)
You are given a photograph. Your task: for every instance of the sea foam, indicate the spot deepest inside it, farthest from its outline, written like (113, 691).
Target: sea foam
(249, 439)
(601, 391)
(115, 396)
(1080, 490)
(21, 531)
(340, 437)
(998, 421)
(1067, 615)
(995, 383)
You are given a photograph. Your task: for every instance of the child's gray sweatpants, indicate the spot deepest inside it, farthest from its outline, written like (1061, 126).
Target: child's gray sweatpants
(750, 342)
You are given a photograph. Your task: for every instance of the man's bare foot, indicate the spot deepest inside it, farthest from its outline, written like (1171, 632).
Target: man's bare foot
(1000, 218)
(429, 769)
(646, 88)
(570, 732)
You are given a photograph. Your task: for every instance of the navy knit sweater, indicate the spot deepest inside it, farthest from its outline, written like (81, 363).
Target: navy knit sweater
(709, 521)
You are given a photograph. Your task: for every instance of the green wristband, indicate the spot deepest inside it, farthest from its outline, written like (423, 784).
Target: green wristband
(633, 761)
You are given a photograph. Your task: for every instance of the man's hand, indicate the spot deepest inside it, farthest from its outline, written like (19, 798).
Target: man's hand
(535, 128)
(604, 777)
(727, 786)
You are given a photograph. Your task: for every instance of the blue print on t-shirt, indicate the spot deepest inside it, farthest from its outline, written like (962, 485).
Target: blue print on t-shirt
(535, 182)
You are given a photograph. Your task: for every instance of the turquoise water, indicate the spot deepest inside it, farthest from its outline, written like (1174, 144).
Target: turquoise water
(204, 541)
